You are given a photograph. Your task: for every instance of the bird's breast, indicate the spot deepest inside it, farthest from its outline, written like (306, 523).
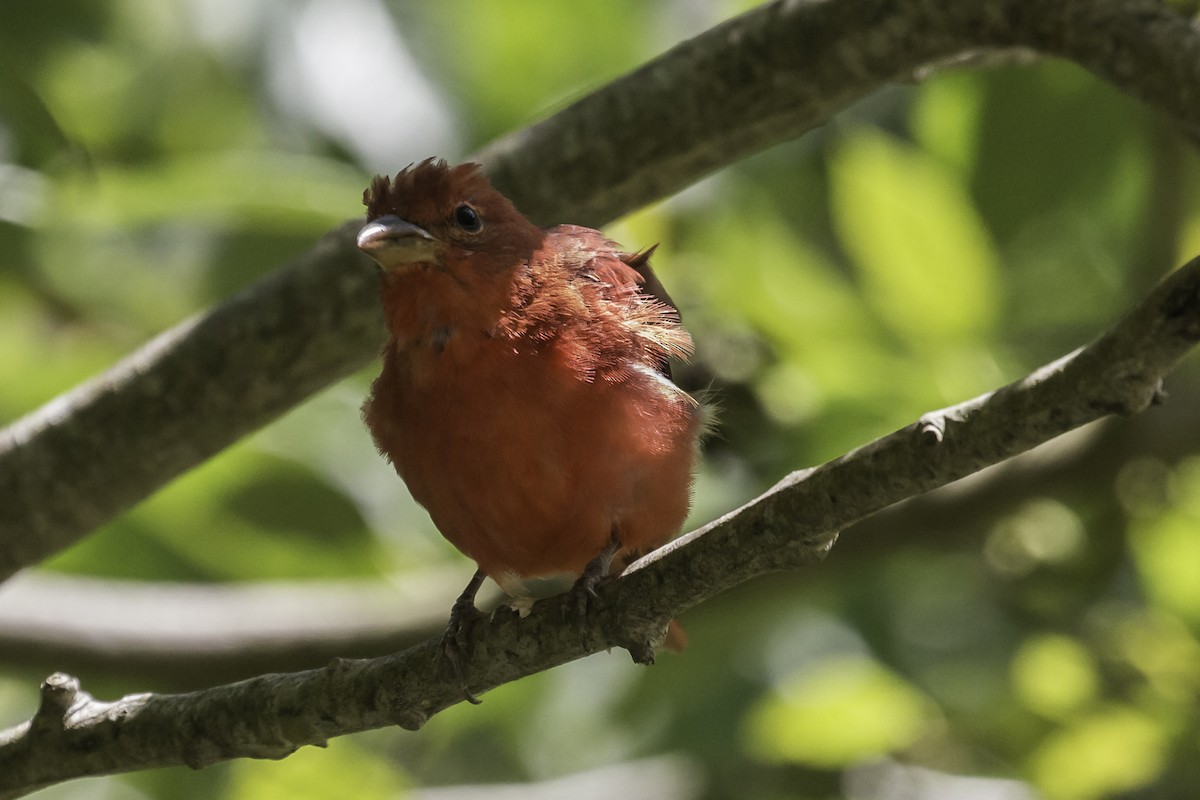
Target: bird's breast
(526, 465)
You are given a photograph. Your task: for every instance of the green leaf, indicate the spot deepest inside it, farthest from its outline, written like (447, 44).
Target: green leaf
(242, 515)
(342, 769)
(252, 189)
(1100, 755)
(511, 61)
(1054, 675)
(925, 260)
(945, 118)
(841, 712)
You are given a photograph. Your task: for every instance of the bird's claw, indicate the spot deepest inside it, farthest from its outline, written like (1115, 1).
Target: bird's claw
(583, 597)
(455, 646)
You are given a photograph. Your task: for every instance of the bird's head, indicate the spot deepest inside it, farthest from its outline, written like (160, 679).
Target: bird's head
(449, 219)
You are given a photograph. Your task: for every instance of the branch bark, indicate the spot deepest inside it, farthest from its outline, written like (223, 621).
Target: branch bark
(795, 523)
(759, 79)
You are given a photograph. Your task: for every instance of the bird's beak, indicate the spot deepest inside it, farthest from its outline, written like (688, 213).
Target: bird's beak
(395, 243)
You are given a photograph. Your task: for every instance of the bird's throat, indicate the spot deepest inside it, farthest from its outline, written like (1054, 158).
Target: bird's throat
(431, 307)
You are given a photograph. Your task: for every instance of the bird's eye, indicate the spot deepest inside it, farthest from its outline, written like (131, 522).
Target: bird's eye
(467, 218)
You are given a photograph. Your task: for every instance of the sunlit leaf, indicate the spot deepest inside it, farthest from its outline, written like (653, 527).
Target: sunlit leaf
(945, 118)
(240, 516)
(1168, 556)
(39, 360)
(755, 270)
(312, 773)
(1161, 647)
(924, 256)
(838, 713)
(1167, 549)
(1099, 756)
(275, 191)
(88, 91)
(1054, 675)
(514, 59)
(1040, 531)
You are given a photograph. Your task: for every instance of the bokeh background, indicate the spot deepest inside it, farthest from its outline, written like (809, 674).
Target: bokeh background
(1028, 632)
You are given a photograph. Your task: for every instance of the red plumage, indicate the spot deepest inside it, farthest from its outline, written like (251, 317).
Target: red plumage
(525, 396)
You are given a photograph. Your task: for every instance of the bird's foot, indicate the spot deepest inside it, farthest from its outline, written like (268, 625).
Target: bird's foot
(582, 596)
(455, 646)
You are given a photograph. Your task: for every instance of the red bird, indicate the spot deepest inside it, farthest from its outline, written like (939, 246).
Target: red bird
(525, 397)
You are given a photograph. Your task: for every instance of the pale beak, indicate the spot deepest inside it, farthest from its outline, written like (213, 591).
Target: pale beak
(395, 243)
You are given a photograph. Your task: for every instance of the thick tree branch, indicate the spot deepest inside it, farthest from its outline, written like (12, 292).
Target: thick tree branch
(76, 462)
(795, 523)
(787, 67)
(759, 79)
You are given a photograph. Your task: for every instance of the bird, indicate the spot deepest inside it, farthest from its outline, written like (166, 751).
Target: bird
(525, 397)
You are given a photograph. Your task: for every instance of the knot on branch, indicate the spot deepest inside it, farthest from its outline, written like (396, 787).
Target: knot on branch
(931, 428)
(639, 631)
(411, 719)
(60, 694)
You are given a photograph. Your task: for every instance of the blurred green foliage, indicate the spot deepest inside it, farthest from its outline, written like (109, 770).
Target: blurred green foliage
(1039, 622)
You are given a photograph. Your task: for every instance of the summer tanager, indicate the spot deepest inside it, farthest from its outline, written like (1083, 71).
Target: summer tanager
(525, 397)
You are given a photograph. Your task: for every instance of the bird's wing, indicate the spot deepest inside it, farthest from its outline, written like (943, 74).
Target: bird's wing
(600, 258)
(650, 284)
(628, 285)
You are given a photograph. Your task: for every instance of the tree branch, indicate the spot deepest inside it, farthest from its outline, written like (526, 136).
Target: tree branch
(785, 68)
(759, 79)
(795, 523)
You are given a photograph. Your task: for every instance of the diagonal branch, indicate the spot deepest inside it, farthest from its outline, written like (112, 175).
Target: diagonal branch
(759, 79)
(795, 523)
